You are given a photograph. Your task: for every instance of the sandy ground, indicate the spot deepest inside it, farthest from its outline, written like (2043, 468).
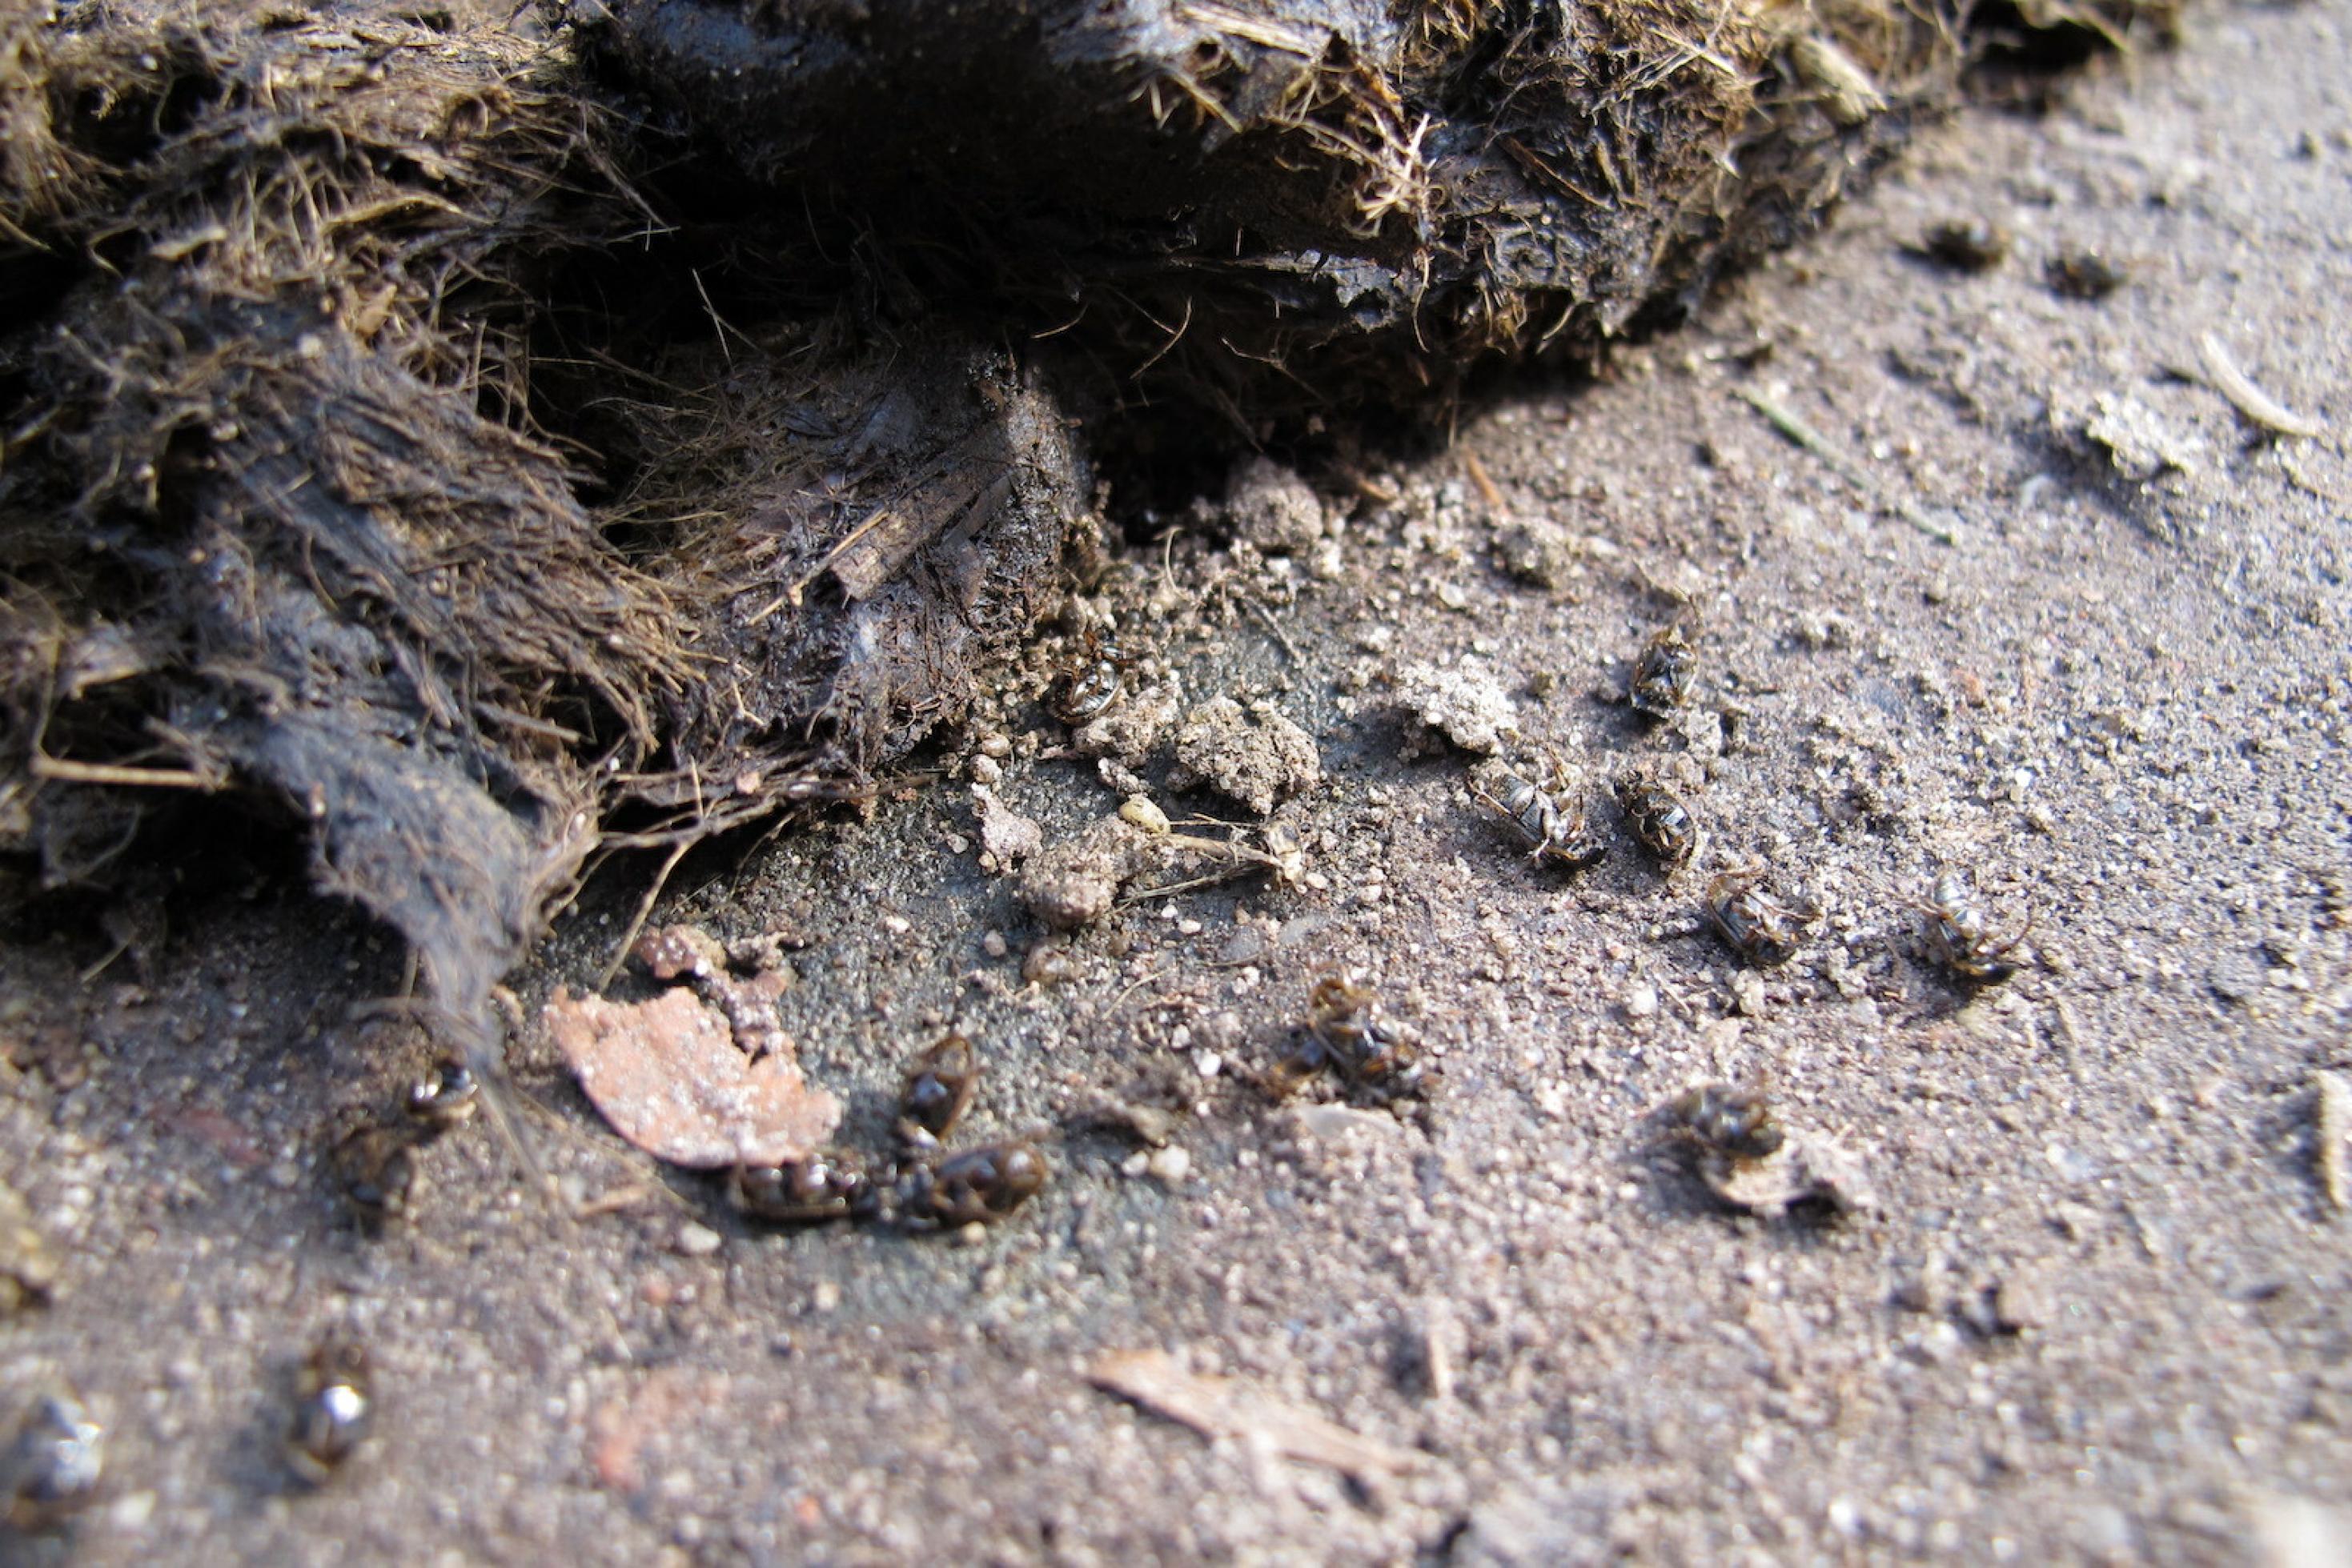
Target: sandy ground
(2099, 1310)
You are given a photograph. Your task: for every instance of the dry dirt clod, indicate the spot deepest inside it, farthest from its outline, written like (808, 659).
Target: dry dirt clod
(1537, 552)
(1807, 1170)
(1465, 701)
(1127, 733)
(1005, 835)
(670, 1077)
(1258, 760)
(1272, 507)
(2131, 436)
(1074, 885)
(674, 952)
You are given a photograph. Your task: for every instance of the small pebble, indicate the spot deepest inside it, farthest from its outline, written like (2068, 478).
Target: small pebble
(1207, 1062)
(995, 746)
(972, 1235)
(1642, 1002)
(1171, 1166)
(1135, 1164)
(699, 1240)
(993, 944)
(825, 1297)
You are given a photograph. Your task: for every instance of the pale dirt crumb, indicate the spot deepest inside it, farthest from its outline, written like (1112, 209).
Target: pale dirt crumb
(1128, 733)
(1076, 884)
(1465, 701)
(1259, 762)
(1807, 1168)
(1004, 833)
(1272, 508)
(672, 952)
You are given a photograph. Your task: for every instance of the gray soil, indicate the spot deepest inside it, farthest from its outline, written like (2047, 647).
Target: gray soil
(2101, 1308)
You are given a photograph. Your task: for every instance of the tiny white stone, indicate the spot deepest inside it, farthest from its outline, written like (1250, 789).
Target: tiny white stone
(699, 1240)
(1172, 1164)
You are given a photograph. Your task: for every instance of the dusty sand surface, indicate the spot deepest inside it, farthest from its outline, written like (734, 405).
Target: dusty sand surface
(2100, 1309)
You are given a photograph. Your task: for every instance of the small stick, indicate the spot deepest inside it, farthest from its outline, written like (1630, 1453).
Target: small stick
(645, 908)
(2334, 1118)
(1793, 426)
(66, 771)
(1488, 491)
(1289, 648)
(2246, 397)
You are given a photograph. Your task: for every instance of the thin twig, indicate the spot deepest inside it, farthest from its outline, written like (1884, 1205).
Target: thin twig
(1487, 490)
(2247, 398)
(1793, 426)
(1133, 987)
(66, 771)
(1266, 615)
(644, 909)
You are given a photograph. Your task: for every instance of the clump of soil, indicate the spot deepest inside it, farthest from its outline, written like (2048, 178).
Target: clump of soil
(1258, 758)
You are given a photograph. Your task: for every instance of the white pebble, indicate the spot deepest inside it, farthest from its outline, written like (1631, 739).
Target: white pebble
(1172, 1164)
(699, 1240)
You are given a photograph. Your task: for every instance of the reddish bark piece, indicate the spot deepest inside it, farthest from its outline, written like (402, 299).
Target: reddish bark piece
(668, 1074)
